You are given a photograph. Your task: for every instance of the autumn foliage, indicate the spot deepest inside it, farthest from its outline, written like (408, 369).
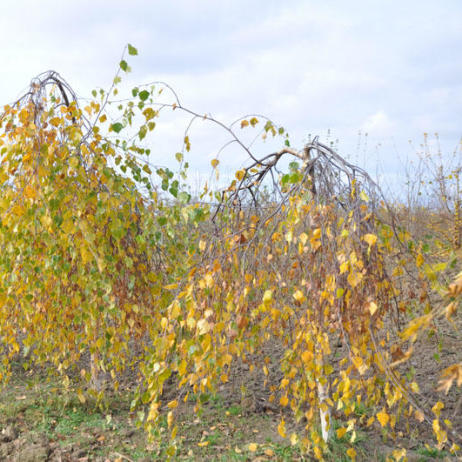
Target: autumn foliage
(108, 265)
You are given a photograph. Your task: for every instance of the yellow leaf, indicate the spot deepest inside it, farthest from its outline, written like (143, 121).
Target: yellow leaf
(450, 310)
(317, 453)
(364, 196)
(55, 121)
(341, 432)
(208, 278)
(419, 261)
(18, 210)
(81, 396)
(383, 417)
(351, 425)
(172, 404)
(269, 452)
(371, 239)
(436, 409)
(30, 192)
(74, 162)
(203, 443)
(284, 401)
(85, 254)
(267, 297)
(303, 238)
(244, 123)
(298, 295)
(307, 356)
(372, 308)
(448, 376)
(214, 163)
(240, 174)
(169, 419)
(293, 439)
(203, 327)
(354, 278)
(399, 454)
(191, 322)
(359, 364)
(414, 387)
(353, 437)
(175, 310)
(253, 447)
(100, 263)
(351, 453)
(282, 428)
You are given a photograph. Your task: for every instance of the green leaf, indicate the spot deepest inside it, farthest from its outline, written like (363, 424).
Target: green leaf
(184, 197)
(132, 50)
(144, 95)
(123, 65)
(294, 166)
(142, 132)
(117, 127)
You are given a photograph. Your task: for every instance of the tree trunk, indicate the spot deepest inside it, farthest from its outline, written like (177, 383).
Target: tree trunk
(325, 415)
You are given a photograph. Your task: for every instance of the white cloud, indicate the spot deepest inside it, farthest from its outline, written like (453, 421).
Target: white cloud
(378, 124)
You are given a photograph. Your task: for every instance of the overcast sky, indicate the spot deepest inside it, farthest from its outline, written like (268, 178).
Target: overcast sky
(390, 68)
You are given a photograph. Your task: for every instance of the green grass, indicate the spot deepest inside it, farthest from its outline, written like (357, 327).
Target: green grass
(38, 406)
(235, 410)
(432, 453)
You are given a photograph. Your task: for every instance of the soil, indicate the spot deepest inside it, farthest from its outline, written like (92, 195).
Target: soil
(41, 422)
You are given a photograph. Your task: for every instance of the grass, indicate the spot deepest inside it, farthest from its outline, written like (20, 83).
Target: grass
(224, 431)
(36, 405)
(428, 452)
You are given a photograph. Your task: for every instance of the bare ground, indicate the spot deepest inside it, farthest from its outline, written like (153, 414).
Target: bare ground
(41, 422)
